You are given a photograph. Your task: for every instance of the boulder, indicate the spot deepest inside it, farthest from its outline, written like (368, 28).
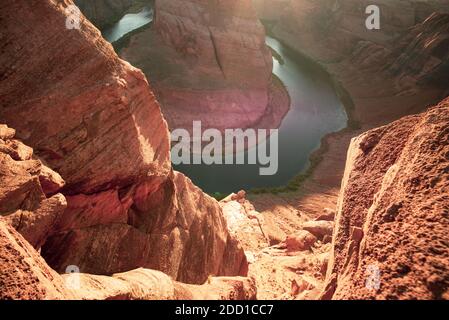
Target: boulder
(327, 215)
(300, 241)
(145, 284)
(319, 228)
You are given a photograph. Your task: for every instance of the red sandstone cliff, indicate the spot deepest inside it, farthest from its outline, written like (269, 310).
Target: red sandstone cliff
(93, 118)
(208, 61)
(393, 213)
(398, 70)
(122, 207)
(402, 64)
(25, 275)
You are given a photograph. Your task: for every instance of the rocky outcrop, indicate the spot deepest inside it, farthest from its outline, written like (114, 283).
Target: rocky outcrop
(176, 229)
(25, 275)
(144, 284)
(93, 118)
(244, 222)
(283, 267)
(103, 13)
(28, 190)
(208, 61)
(390, 239)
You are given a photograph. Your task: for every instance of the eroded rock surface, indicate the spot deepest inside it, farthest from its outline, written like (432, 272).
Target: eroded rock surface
(392, 217)
(94, 119)
(27, 190)
(25, 275)
(144, 284)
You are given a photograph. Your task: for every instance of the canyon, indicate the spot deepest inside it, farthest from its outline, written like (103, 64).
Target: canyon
(102, 130)
(193, 53)
(387, 75)
(86, 178)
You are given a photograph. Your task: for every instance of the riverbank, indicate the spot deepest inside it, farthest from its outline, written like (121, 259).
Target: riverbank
(318, 187)
(355, 89)
(324, 148)
(315, 110)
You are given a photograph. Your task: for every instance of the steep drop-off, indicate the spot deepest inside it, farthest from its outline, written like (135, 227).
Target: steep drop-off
(25, 275)
(391, 240)
(388, 73)
(93, 118)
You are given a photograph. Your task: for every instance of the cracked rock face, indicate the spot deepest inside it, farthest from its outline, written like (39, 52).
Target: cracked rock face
(391, 239)
(94, 119)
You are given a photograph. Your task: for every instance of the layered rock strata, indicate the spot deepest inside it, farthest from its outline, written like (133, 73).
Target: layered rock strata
(93, 118)
(390, 239)
(401, 64)
(208, 61)
(25, 275)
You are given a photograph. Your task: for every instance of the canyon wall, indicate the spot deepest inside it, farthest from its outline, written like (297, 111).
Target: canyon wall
(270, 10)
(103, 13)
(402, 64)
(208, 61)
(93, 118)
(391, 239)
(341, 24)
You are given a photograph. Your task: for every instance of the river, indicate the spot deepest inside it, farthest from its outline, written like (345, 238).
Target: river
(315, 111)
(128, 23)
